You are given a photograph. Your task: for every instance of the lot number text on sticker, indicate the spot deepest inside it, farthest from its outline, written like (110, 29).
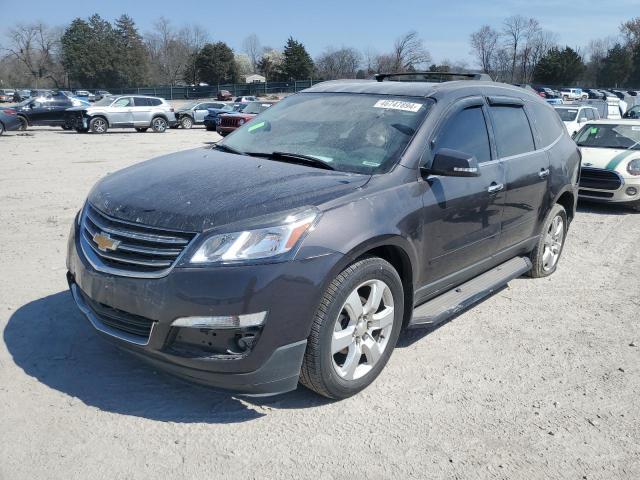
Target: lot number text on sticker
(398, 105)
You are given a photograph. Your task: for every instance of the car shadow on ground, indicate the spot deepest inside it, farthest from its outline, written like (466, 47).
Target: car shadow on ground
(51, 341)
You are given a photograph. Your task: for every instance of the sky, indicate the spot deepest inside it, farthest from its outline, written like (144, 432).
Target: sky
(444, 26)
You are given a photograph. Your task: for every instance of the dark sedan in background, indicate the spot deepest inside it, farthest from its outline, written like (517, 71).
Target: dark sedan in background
(44, 111)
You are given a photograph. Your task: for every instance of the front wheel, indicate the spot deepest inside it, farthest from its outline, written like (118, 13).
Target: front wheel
(159, 125)
(355, 329)
(546, 254)
(23, 124)
(1, 128)
(98, 125)
(186, 122)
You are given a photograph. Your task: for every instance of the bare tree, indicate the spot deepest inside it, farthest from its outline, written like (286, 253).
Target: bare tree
(513, 30)
(251, 46)
(35, 46)
(484, 43)
(341, 63)
(172, 52)
(409, 52)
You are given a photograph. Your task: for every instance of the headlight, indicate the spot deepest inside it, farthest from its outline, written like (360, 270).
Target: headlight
(256, 244)
(633, 167)
(241, 121)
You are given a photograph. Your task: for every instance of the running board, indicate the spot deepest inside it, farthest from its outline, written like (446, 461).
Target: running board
(450, 303)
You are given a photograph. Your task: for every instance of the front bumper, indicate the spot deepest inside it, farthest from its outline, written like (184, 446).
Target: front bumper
(289, 292)
(607, 194)
(225, 130)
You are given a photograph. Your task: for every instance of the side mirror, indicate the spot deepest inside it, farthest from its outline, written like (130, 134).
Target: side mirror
(452, 163)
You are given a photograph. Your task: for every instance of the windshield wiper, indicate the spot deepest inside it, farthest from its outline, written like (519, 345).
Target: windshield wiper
(294, 158)
(226, 148)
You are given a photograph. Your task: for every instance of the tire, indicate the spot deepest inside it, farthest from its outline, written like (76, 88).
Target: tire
(98, 125)
(82, 130)
(546, 255)
(23, 124)
(159, 125)
(367, 347)
(1, 128)
(66, 127)
(141, 129)
(210, 128)
(186, 122)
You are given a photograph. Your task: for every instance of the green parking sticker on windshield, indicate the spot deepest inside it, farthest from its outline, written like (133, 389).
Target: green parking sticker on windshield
(256, 126)
(593, 130)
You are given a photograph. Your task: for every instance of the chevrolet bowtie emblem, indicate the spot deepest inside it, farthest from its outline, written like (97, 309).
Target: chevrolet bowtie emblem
(105, 242)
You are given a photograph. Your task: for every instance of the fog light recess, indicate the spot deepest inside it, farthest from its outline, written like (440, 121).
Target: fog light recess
(631, 191)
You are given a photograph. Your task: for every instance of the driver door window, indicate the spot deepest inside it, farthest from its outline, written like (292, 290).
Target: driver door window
(123, 102)
(467, 132)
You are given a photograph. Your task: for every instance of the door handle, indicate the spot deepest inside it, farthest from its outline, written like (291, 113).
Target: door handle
(495, 187)
(544, 173)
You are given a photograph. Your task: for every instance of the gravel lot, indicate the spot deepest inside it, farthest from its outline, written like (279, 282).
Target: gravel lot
(539, 381)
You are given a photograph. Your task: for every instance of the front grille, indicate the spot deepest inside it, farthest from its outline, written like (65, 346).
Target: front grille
(599, 178)
(129, 247)
(595, 193)
(118, 319)
(229, 121)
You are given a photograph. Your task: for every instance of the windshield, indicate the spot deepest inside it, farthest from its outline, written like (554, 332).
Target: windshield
(104, 101)
(189, 106)
(610, 135)
(352, 132)
(567, 114)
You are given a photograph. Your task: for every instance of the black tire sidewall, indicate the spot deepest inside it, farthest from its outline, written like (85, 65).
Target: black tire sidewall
(371, 269)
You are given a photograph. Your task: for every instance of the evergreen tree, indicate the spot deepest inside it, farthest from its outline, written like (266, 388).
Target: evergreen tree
(559, 67)
(297, 63)
(616, 67)
(215, 63)
(131, 53)
(634, 76)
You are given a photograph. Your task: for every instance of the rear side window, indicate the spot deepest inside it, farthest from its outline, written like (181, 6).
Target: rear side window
(154, 102)
(142, 102)
(547, 122)
(512, 130)
(466, 132)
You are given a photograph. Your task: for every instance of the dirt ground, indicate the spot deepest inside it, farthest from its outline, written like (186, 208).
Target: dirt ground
(540, 381)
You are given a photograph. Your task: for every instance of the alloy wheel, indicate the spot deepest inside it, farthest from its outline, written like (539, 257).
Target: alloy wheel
(553, 243)
(159, 125)
(99, 125)
(362, 330)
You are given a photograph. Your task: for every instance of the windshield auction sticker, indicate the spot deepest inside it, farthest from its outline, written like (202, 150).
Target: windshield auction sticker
(398, 105)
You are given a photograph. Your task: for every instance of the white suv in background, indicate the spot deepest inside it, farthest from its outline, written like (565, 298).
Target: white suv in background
(123, 111)
(573, 94)
(575, 116)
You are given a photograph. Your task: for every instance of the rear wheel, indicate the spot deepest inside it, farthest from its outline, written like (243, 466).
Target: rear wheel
(98, 125)
(141, 129)
(545, 256)
(159, 125)
(23, 124)
(186, 122)
(1, 128)
(355, 329)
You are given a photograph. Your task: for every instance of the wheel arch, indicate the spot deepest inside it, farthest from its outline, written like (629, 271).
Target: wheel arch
(99, 115)
(395, 250)
(568, 199)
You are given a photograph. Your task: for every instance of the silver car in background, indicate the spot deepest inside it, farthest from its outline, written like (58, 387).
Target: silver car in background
(123, 111)
(194, 113)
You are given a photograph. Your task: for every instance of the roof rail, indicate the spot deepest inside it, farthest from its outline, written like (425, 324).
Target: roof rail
(432, 76)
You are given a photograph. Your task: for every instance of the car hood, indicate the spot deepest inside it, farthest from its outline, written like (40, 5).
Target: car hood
(202, 189)
(613, 159)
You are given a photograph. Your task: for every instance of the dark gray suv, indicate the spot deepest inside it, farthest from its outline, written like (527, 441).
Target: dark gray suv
(298, 248)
